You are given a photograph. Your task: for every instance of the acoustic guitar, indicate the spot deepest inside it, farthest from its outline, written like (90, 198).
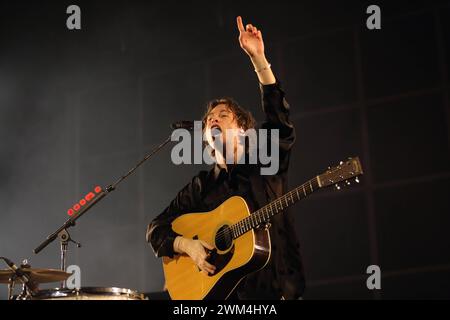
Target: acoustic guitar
(241, 239)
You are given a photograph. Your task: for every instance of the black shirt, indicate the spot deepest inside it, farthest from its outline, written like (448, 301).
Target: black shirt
(283, 275)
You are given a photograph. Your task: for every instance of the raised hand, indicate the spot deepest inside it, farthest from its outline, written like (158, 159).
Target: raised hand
(250, 39)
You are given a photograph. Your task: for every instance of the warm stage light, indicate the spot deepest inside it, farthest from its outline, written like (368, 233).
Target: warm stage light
(89, 197)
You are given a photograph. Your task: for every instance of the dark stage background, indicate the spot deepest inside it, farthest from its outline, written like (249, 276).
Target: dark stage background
(78, 108)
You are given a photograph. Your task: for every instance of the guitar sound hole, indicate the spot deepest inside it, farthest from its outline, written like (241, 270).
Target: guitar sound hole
(224, 238)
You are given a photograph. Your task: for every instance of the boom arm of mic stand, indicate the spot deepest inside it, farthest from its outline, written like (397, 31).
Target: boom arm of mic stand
(71, 222)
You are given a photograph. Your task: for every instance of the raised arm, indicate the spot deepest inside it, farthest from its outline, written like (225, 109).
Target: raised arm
(273, 99)
(251, 41)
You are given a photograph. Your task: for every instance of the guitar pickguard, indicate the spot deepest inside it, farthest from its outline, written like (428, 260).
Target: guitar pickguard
(220, 260)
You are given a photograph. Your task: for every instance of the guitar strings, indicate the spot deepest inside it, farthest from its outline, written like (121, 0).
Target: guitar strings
(273, 206)
(221, 235)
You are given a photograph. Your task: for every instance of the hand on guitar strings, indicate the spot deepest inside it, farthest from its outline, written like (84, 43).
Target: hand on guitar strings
(196, 250)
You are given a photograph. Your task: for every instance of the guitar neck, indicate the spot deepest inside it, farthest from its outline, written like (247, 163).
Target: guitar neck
(264, 214)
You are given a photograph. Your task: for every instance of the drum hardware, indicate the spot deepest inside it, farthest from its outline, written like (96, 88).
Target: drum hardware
(89, 293)
(29, 277)
(24, 274)
(11, 284)
(27, 273)
(27, 292)
(37, 276)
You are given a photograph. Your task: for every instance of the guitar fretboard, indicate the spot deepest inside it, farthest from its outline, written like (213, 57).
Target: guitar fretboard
(264, 214)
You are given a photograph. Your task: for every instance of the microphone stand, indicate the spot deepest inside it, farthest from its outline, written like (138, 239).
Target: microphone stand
(62, 232)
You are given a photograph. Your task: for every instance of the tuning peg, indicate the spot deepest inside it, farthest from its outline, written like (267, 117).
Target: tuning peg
(337, 186)
(341, 163)
(347, 182)
(356, 180)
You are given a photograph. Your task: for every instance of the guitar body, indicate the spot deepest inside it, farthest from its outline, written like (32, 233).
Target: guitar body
(240, 245)
(234, 259)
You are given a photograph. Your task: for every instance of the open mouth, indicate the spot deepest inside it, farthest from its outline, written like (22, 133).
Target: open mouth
(216, 131)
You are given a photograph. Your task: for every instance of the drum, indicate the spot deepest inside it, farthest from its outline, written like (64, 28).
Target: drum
(89, 293)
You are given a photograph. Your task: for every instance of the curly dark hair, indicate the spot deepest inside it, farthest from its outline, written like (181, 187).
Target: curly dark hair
(244, 118)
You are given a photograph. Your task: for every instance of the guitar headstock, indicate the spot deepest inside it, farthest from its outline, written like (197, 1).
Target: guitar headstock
(345, 171)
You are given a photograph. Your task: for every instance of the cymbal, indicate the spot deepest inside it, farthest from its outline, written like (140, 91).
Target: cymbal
(37, 275)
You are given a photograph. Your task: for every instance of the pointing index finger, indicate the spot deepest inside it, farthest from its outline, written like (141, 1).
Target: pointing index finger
(240, 25)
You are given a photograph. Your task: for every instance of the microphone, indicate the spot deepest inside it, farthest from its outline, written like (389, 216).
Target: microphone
(188, 125)
(21, 275)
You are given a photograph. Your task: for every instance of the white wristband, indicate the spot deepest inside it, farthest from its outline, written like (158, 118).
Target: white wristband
(265, 68)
